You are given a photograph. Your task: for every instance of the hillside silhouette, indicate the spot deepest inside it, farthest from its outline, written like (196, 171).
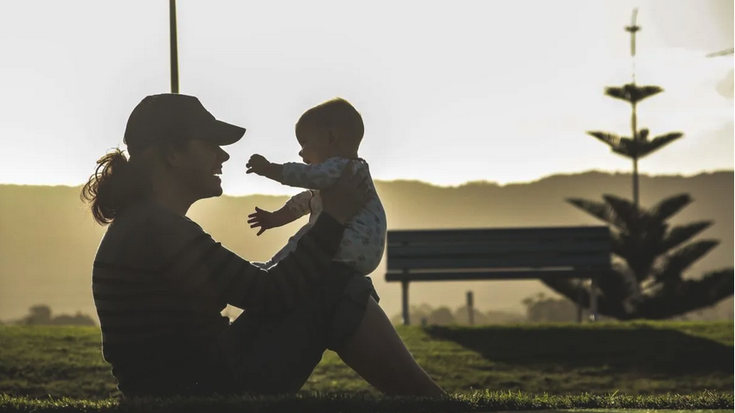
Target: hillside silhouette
(48, 238)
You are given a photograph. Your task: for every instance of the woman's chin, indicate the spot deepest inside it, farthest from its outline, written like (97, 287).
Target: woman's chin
(213, 188)
(217, 190)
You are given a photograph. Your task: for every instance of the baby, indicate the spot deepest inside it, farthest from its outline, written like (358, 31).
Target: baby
(330, 135)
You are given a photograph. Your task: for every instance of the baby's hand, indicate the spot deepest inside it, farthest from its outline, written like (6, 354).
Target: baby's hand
(258, 164)
(263, 219)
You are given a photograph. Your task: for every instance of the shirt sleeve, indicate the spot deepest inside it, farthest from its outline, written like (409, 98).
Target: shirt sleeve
(299, 203)
(199, 265)
(315, 176)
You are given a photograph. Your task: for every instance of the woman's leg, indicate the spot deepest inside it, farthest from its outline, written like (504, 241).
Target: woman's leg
(376, 352)
(277, 353)
(271, 354)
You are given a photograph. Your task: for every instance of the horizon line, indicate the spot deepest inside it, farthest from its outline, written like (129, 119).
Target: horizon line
(466, 183)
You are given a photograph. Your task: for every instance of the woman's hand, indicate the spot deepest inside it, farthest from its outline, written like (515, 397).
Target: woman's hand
(346, 197)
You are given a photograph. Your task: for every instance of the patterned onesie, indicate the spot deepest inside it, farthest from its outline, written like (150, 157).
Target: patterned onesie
(364, 237)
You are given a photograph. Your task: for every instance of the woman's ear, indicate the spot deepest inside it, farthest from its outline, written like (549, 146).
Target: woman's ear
(170, 156)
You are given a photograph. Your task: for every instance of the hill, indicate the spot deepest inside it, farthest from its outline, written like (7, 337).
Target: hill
(48, 238)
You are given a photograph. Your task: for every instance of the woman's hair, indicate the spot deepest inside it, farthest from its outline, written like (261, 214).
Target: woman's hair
(115, 184)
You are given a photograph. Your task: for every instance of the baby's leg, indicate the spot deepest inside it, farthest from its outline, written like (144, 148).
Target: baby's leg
(360, 251)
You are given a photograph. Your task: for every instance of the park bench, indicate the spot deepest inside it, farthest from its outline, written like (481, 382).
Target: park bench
(581, 252)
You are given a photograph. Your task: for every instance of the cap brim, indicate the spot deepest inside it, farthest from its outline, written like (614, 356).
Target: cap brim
(226, 134)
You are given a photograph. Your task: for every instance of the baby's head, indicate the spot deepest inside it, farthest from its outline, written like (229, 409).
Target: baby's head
(332, 128)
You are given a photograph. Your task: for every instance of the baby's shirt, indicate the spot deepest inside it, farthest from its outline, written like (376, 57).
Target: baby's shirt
(363, 241)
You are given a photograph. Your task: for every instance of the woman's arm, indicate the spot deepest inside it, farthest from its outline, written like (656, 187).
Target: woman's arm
(204, 267)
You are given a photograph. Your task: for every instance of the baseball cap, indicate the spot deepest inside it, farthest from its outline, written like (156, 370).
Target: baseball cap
(171, 117)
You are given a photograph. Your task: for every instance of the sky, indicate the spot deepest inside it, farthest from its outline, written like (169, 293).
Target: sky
(450, 91)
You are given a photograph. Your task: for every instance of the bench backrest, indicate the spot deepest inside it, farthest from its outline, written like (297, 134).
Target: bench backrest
(586, 247)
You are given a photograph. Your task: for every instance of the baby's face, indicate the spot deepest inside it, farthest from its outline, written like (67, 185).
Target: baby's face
(315, 144)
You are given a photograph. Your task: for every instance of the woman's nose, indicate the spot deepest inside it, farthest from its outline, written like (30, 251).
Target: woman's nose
(224, 156)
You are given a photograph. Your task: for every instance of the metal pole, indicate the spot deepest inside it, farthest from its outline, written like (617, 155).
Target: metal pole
(470, 308)
(174, 50)
(593, 299)
(580, 284)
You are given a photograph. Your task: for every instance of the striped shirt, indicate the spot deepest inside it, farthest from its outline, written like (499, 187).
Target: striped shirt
(160, 283)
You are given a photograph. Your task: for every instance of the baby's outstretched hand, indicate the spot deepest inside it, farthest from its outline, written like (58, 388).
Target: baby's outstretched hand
(261, 219)
(258, 165)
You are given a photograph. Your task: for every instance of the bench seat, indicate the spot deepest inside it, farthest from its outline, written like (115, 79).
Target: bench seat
(498, 254)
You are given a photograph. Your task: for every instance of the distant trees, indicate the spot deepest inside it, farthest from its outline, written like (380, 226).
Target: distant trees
(445, 316)
(38, 314)
(540, 309)
(41, 315)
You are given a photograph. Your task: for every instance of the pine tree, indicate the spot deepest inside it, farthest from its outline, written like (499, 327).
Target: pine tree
(647, 281)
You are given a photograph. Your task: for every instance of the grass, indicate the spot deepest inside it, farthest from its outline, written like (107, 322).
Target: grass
(653, 359)
(327, 403)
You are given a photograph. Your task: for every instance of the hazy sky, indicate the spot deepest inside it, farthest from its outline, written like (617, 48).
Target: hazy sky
(451, 91)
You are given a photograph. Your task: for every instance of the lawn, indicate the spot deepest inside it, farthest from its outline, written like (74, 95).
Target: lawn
(705, 402)
(564, 360)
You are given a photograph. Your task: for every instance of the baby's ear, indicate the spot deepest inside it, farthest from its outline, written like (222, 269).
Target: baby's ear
(332, 137)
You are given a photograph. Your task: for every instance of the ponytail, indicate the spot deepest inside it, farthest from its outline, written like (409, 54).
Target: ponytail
(114, 185)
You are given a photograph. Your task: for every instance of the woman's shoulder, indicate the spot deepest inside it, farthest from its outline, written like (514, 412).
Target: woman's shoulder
(147, 232)
(154, 223)
(147, 213)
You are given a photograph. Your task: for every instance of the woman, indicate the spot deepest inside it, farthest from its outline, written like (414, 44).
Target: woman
(160, 282)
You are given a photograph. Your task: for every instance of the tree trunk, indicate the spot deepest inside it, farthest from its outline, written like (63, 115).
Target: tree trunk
(634, 135)
(635, 184)
(575, 292)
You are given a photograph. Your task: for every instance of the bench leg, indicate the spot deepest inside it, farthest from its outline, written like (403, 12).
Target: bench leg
(593, 299)
(580, 307)
(404, 288)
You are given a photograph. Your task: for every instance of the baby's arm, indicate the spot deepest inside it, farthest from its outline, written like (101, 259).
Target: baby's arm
(316, 176)
(296, 207)
(261, 166)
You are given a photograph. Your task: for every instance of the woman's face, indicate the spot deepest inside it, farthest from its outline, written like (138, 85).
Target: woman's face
(199, 165)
